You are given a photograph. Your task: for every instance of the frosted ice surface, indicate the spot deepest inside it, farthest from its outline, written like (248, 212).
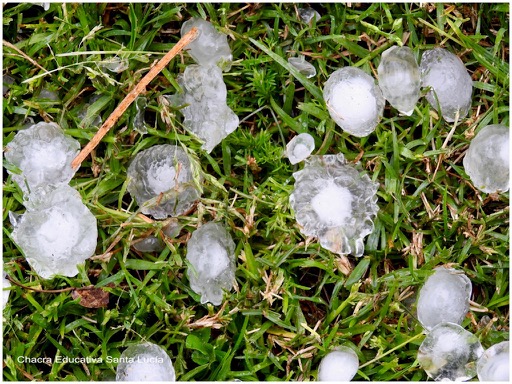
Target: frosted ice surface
(162, 179)
(149, 244)
(339, 365)
(6, 292)
(300, 63)
(57, 232)
(43, 153)
(307, 14)
(334, 201)
(300, 147)
(145, 362)
(494, 364)
(445, 73)
(206, 113)
(211, 254)
(210, 47)
(487, 160)
(449, 353)
(444, 298)
(354, 101)
(399, 78)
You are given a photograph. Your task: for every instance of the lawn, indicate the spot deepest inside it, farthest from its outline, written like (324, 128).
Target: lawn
(293, 301)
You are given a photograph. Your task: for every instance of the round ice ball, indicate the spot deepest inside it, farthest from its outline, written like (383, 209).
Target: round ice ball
(145, 362)
(494, 364)
(339, 365)
(300, 147)
(354, 101)
(487, 160)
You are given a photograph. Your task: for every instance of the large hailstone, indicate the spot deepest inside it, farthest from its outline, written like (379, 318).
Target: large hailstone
(487, 159)
(211, 254)
(336, 202)
(162, 179)
(399, 78)
(354, 101)
(451, 84)
(339, 365)
(43, 154)
(145, 362)
(57, 232)
(444, 298)
(494, 364)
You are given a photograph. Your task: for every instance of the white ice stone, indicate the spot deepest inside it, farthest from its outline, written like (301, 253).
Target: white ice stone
(494, 364)
(57, 232)
(354, 101)
(487, 160)
(300, 63)
(145, 362)
(164, 181)
(307, 14)
(449, 353)
(451, 84)
(6, 284)
(339, 365)
(43, 154)
(210, 47)
(211, 254)
(336, 202)
(399, 78)
(444, 298)
(300, 147)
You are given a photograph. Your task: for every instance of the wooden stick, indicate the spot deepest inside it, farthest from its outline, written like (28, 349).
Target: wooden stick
(12, 46)
(130, 97)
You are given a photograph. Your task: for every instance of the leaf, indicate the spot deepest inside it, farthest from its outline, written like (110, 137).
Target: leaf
(91, 298)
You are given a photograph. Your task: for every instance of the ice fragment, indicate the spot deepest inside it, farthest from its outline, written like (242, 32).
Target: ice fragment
(451, 84)
(494, 364)
(211, 254)
(336, 202)
(487, 159)
(145, 362)
(354, 101)
(6, 291)
(303, 66)
(139, 124)
(116, 64)
(7, 82)
(149, 244)
(307, 14)
(162, 179)
(300, 147)
(339, 365)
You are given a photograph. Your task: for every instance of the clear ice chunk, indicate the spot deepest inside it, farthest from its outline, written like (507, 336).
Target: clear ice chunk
(211, 254)
(145, 362)
(494, 364)
(300, 63)
(7, 82)
(164, 181)
(339, 365)
(399, 78)
(43, 154)
(487, 160)
(354, 101)
(451, 85)
(149, 244)
(57, 232)
(116, 64)
(444, 298)
(307, 14)
(300, 147)
(206, 113)
(449, 353)
(336, 202)
(139, 124)
(210, 47)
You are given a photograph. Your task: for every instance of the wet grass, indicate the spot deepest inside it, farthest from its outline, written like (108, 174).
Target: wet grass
(293, 300)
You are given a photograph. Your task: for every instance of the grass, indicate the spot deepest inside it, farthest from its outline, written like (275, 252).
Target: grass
(293, 300)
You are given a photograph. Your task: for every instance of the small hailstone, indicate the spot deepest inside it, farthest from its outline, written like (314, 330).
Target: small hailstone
(145, 362)
(444, 298)
(451, 84)
(307, 14)
(354, 101)
(116, 64)
(211, 254)
(43, 154)
(336, 202)
(138, 122)
(48, 95)
(300, 147)
(303, 66)
(399, 78)
(487, 159)
(339, 365)
(7, 82)
(172, 229)
(494, 364)
(162, 181)
(149, 244)
(449, 353)
(6, 292)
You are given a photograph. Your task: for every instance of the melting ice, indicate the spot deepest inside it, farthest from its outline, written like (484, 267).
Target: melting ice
(336, 202)
(444, 298)
(145, 362)
(300, 147)
(300, 63)
(211, 254)
(449, 353)
(487, 160)
(162, 179)
(451, 84)
(494, 364)
(339, 365)
(399, 78)
(354, 101)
